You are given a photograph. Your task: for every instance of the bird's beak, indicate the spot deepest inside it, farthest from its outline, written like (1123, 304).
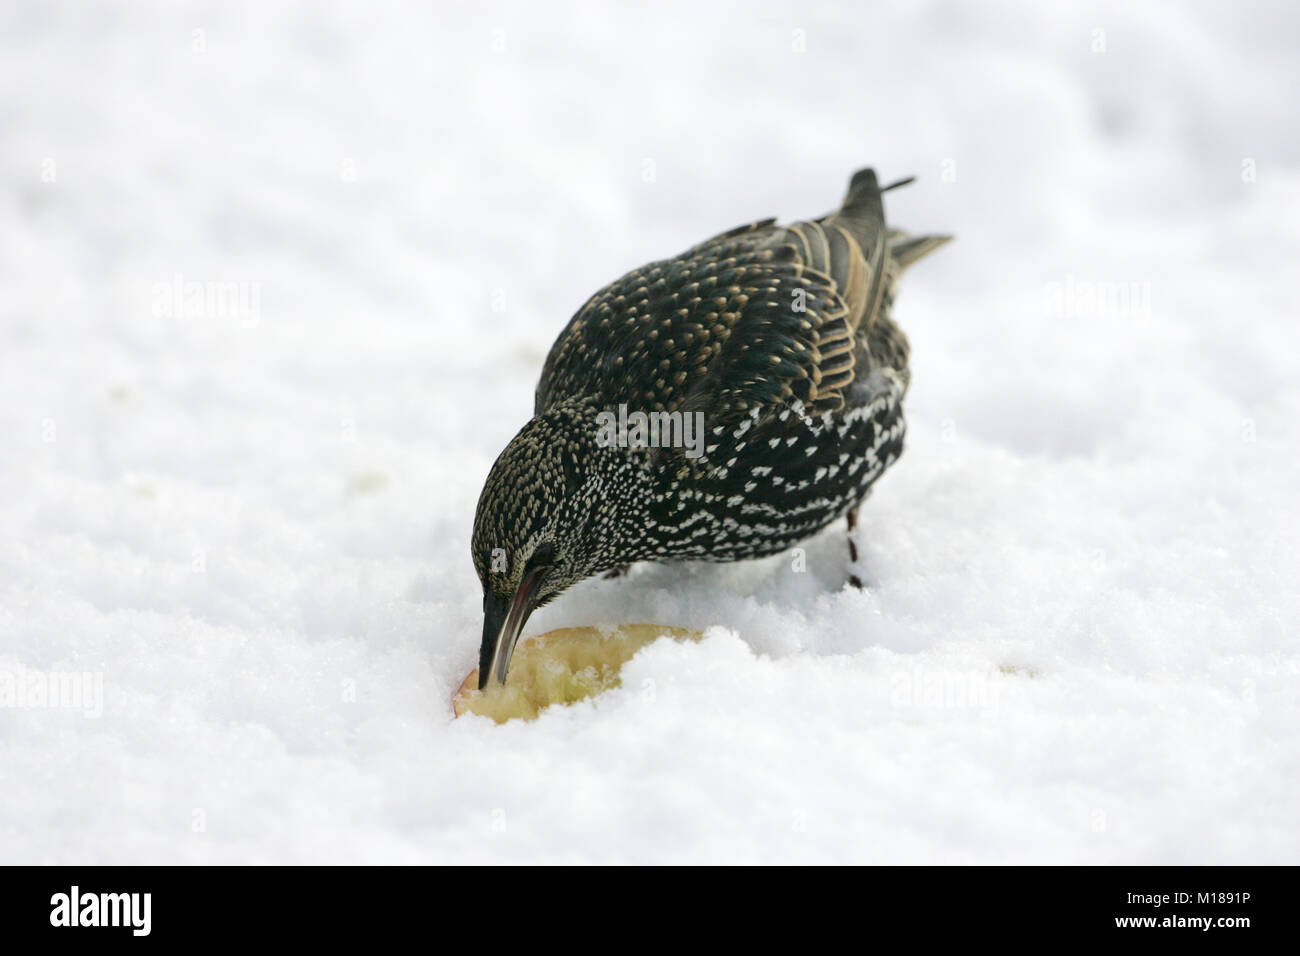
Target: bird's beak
(502, 623)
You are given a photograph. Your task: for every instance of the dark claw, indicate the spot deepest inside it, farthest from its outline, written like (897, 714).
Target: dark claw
(617, 572)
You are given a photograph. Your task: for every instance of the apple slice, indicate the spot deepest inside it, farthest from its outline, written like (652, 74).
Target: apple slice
(560, 667)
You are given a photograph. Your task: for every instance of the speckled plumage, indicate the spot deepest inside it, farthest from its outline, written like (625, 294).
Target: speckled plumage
(782, 337)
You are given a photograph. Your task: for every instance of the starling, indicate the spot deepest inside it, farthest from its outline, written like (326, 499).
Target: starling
(723, 404)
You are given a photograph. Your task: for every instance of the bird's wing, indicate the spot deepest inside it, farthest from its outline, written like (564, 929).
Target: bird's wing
(758, 231)
(754, 320)
(747, 319)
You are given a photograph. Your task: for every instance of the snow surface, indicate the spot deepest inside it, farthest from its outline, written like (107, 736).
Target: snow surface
(1078, 644)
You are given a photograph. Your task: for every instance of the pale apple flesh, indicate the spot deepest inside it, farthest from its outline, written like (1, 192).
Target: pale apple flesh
(561, 667)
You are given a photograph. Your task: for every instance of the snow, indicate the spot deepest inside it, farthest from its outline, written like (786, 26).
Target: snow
(252, 522)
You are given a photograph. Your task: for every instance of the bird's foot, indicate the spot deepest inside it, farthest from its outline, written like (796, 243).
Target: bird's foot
(618, 572)
(853, 550)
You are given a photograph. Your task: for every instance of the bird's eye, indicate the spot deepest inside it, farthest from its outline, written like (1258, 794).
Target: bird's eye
(543, 556)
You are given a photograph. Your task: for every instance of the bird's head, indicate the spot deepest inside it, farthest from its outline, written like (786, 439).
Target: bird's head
(545, 521)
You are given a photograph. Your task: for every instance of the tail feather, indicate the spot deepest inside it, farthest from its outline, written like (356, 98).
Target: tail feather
(862, 216)
(907, 250)
(882, 254)
(862, 208)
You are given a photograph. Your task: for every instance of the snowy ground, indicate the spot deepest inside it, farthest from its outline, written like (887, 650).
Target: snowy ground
(252, 524)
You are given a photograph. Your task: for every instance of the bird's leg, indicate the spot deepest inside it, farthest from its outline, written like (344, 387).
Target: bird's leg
(617, 572)
(853, 549)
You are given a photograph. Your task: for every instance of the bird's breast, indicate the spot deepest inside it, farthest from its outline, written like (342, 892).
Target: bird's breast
(772, 480)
